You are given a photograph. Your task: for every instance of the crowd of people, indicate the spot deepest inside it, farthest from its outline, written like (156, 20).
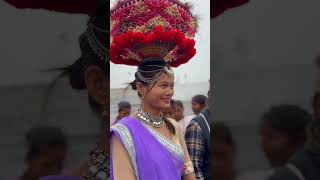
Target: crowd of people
(158, 141)
(288, 140)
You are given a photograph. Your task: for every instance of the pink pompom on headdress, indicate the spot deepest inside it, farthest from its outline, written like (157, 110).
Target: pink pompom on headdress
(142, 29)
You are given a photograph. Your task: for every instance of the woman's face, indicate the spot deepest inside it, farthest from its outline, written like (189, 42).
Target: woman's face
(158, 95)
(97, 84)
(276, 145)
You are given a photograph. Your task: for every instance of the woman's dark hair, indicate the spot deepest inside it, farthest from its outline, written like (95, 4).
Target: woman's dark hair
(200, 99)
(93, 44)
(75, 72)
(222, 132)
(44, 137)
(150, 69)
(290, 119)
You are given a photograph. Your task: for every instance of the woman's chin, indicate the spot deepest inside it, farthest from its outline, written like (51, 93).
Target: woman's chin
(164, 106)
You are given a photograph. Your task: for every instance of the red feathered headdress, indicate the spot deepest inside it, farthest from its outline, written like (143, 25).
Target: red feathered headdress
(219, 6)
(144, 29)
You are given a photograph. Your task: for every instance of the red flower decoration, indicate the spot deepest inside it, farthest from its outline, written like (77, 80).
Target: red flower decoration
(121, 45)
(152, 29)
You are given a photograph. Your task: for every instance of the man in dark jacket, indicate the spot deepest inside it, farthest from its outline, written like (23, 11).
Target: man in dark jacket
(197, 138)
(305, 165)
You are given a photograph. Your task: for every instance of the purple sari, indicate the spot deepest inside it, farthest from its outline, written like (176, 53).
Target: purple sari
(153, 156)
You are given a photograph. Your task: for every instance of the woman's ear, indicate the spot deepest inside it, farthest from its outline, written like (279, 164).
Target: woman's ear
(140, 89)
(97, 84)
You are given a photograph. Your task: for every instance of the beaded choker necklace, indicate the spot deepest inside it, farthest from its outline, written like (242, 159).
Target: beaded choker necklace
(149, 119)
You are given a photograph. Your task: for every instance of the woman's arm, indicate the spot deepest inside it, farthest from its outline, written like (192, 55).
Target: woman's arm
(121, 163)
(188, 166)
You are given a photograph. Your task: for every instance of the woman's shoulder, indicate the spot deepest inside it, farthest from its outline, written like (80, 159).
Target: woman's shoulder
(178, 130)
(124, 122)
(174, 123)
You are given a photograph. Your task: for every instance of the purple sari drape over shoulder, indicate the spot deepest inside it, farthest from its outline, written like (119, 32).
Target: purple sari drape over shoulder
(153, 156)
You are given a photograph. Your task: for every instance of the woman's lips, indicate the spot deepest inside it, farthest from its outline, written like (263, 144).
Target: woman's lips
(166, 100)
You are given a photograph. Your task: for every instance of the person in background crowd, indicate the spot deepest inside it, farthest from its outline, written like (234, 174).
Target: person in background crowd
(199, 102)
(179, 116)
(282, 131)
(124, 110)
(170, 111)
(198, 142)
(46, 155)
(223, 153)
(283, 134)
(304, 165)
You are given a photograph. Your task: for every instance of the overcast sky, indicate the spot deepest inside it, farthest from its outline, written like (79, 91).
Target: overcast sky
(198, 68)
(35, 40)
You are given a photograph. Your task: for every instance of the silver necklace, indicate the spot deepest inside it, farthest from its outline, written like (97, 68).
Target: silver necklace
(98, 165)
(149, 119)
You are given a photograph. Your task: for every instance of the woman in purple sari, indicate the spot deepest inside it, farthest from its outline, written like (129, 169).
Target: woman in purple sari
(148, 146)
(155, 36)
